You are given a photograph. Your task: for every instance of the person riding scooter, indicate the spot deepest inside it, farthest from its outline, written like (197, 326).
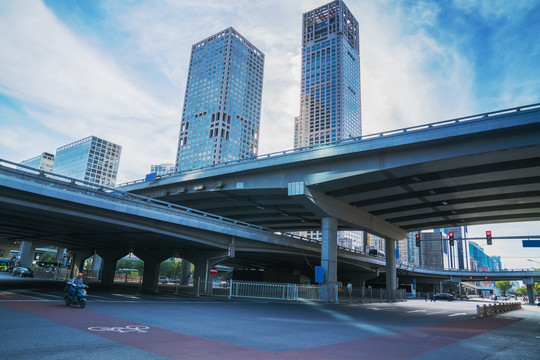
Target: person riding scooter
(75, 292)
(77, 280)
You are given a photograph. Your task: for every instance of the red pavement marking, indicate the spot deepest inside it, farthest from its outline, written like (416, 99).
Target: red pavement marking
(396, 346)
(11, 297)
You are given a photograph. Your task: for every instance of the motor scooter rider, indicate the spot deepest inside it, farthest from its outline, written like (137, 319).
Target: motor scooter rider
(77, 280)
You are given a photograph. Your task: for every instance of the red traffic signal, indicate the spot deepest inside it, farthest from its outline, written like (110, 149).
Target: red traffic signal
(470, 277)
(488, 237)
(417, 236)
(451, 238)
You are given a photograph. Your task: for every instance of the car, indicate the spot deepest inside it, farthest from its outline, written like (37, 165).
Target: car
(163, 279)
(444, 296)
(23, 272)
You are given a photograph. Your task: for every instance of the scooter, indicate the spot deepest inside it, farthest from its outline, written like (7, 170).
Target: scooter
(76, 297)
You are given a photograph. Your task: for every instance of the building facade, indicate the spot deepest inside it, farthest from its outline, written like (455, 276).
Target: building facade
(330, 107)
(162, 169)
(222, 105)
(91, 159)
(45, 161)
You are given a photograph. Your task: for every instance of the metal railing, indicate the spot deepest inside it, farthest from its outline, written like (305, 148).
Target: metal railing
(293, 292)
(438, 124)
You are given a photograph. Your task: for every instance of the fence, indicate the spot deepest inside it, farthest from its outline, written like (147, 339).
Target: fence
(292, 292)
(486, 310)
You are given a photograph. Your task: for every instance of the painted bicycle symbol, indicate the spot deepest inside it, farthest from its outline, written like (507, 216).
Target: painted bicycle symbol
(120, 329)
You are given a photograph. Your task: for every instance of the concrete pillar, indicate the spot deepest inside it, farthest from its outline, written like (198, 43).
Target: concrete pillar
(60, 255)
(109, 258)
(530, 293)
(329, 259)
(27, 250)
(77, 262)
(391, 274)
(185, 271)
(203, 261)
(152, 259)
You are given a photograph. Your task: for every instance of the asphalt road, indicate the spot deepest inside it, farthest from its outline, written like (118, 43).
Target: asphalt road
(124, 324)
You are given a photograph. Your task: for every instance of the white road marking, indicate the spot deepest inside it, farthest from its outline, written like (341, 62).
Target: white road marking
(457, 314)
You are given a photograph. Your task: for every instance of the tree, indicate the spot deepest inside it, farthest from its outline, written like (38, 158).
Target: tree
(170, 267)
(522, 290)
(504, 286)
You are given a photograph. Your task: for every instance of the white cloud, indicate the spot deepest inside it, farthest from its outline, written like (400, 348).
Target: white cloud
(74, 90)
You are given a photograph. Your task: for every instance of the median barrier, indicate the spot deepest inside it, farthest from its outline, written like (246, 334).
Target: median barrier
(486, 310)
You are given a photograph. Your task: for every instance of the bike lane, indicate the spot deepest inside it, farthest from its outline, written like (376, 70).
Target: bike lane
(174, 345)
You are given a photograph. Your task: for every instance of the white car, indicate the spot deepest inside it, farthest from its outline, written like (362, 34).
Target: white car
(163, 279)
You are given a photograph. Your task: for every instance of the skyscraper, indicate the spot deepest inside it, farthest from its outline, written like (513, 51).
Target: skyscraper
(222, 105)
(45, 161)
(330, 91)
(91, 159)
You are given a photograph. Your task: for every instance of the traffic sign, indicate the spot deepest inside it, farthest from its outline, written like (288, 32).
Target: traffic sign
(213, 270)
(531, 243)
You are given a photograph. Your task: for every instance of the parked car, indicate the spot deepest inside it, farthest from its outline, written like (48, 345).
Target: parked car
(163, 279)
(444, 296)
(23, 272)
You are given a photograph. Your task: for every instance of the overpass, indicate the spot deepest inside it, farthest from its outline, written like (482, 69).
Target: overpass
(473, 170)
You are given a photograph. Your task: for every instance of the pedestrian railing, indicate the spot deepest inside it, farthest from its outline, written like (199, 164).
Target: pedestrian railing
(292, 292)
(486, 310)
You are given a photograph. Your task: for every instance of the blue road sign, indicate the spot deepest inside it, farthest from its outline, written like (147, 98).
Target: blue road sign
(531, 243)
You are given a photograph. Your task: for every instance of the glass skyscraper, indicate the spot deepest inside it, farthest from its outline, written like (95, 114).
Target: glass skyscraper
(330, 91)
(45, 161)
(222, 105)
(91, 159)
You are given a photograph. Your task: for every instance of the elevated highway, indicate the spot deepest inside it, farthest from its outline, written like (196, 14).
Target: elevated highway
(473, 170)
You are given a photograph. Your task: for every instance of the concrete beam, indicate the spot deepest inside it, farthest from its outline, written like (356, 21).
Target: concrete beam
(323, 205)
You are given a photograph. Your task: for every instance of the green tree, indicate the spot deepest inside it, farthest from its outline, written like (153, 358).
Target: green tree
(521, 291)
(170, 267)
(504, 286)
(130, 264)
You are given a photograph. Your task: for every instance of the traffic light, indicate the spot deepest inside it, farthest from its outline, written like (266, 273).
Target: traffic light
(417, 240)
(451, 238)
(470, 277)
(488, 237)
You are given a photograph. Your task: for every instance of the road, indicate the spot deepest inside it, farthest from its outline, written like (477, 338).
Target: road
(124, 324)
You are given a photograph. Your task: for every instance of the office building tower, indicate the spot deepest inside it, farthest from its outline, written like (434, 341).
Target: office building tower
(91, 159)
(45, 161)
(162, 169)
(330, 91)
(222, 105)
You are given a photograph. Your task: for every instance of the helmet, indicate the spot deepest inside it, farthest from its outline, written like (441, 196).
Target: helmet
(79, 274)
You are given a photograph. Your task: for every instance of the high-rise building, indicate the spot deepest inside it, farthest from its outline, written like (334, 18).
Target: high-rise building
(330, 92)
(91, 159)
(222, 105)
(162, 169)
(45, 161)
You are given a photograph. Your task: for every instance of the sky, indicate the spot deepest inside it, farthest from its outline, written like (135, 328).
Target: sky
(117, 70)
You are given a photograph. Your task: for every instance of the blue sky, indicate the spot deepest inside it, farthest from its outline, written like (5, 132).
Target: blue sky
(117, 69)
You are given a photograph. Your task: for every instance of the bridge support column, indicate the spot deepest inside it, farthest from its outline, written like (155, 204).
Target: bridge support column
(185, 271)
(110, 258)
(152, 259)
(328, 291)
(77, 261)
(203, 261)
(391, 275)
(27, 250)
(530, 293)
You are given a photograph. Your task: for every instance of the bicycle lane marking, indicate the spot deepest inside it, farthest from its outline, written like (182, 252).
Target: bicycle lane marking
(141, 336)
